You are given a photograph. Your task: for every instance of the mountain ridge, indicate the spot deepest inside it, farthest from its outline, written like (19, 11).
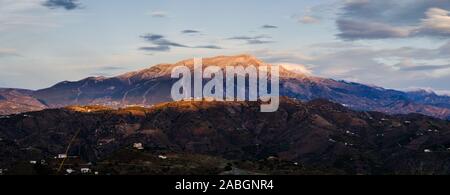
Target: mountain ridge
(152, 86)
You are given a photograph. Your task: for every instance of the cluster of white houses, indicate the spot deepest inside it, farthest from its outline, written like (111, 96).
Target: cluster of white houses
(138, 146)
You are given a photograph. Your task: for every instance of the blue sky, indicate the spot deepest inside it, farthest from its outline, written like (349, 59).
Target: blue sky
(403, 44)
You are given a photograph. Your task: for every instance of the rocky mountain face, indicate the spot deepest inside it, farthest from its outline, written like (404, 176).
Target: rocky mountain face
(152, 86)
(429, 98)
(17, 101)
(318, 135)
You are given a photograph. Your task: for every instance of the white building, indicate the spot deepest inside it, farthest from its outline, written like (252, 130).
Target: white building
(61, 156)
(85, 170)
(70, 171)
(138, 146)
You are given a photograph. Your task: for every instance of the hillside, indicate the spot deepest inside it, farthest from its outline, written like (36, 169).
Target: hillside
(319, 135)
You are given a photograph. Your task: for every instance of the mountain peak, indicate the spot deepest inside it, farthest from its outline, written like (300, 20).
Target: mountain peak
(165, 69)
(223, 61)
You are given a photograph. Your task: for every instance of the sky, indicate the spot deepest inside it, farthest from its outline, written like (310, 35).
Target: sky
(403, 44)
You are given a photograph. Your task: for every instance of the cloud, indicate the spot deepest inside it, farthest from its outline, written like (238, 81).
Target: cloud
(440, 53)
(161, 44)
(402, 12)
(392, 68)
(111, 68)
(409, 65)
(269, 26)
(208, 47)
(319, 12)
(382, 19)
(155, 48)
(308, 20)
(160, 41)
(258, 42)
(190, 31)
(254, 40)
(425, 67)
(4, 52)
(437, 22)
(275, 57)
(64, 4)
(352, 30)
(336, 45)
(159, 14)
(17, 15)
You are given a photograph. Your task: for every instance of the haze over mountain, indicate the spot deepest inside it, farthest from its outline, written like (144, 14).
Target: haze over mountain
(152, 86)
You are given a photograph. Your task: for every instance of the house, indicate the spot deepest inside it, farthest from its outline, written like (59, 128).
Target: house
(33, 162)
(138, 146)
(348, 144)
(62, 156)
(70, 171)
(272, 158)
(350, 133)
(85, 170)
(210, 99)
